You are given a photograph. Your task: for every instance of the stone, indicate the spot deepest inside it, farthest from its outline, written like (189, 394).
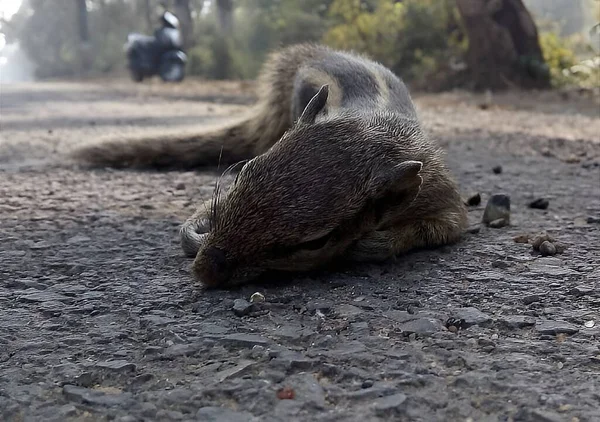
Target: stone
(422, 326)
(45, 297)
(93, 397)
(498, 207)
(390, 404)
(474, 229)
(180, 186)
(517, 321)
(242, 307)
(555, 327)
(547, 249)
(529, 299)
(473, 200)
(499, 223)
(244, 340)
(218, 414)
(471, 316)
(348, 311)
(522, 238)
(593, 220)
(539, 204)
(257, 297)
(117, 365)
(497, 169)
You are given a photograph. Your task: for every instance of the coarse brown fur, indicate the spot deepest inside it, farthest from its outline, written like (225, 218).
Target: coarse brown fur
(339, 168)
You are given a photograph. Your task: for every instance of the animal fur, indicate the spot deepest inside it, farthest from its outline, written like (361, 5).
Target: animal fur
(338, 168)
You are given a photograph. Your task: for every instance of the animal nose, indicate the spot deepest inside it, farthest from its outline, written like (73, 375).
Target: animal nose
(211, 267)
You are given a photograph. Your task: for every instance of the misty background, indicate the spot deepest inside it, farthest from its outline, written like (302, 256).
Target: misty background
(424, 41)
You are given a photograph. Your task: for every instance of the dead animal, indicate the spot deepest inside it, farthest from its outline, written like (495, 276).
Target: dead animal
(334, 165)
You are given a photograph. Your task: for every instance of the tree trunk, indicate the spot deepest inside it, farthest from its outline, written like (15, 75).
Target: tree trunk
(225, 15)
(184, 14)
(84, 37)
(146, 11)
(504, 49)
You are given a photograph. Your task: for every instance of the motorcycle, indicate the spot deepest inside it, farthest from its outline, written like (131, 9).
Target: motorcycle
(161, 54)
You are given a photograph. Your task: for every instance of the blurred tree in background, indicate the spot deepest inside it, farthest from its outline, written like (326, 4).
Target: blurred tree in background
(424, 41)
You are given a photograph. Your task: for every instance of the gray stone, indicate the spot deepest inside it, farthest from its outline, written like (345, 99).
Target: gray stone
(389, 404)
(498, 223)
(471, 316)
(498, 207)
(529, 299)
(422, 326)
(517, 321)
(555, 327)
(348, 311)
(222, 414)
(117, 365)
(242, 307)
(244, 340)
(45, 297)
(181, 350)
(92, 397)
(547, 249)
(497, 169)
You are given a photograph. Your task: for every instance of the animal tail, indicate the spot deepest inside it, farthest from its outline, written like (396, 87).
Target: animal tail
(180, 150)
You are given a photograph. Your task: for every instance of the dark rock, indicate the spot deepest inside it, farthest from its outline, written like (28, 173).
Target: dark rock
(473, 200)
(45, 297)
(180, 186)
(547, 249)
(471, 316)
(582, 290)
(177, 350)
(244, 340)
(93, 397)
(218, 414)
(422, 326)
(117, 365)
(540, 204)
(529, 299)
(498, 207)
(367, 384)
(242, 307)
(348, 311)
(555, 327)
(517, 321)
(389, 405)
(497, 169)
(593, 220)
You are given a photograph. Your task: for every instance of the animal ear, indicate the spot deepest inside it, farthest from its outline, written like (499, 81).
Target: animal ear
(403, 177)
(314, 106)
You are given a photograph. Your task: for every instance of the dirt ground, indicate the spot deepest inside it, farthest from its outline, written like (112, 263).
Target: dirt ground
(100, 318)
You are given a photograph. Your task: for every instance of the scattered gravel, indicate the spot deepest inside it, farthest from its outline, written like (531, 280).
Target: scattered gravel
(101, 319)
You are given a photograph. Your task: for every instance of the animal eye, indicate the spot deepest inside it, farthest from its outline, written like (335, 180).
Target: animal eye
(313, 245)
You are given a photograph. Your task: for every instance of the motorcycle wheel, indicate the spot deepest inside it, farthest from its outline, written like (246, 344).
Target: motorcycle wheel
(172, 72)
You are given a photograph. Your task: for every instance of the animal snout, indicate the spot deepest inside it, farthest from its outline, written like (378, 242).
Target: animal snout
(211, 266)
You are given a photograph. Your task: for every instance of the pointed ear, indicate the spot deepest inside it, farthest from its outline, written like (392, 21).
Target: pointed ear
(401, 177)
(314, 106)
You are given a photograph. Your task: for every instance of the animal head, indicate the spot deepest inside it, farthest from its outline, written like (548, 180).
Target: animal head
(323, 185)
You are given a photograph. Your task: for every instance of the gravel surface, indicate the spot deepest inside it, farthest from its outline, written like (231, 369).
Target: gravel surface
(100, 318)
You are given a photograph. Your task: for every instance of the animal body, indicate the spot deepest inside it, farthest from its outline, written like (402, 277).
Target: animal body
(335, 165)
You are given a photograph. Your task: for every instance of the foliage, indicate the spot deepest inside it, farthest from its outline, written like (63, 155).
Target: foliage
(418, 39)
(565, 67)
(421, 40)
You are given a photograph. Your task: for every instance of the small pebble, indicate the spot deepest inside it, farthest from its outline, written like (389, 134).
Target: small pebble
(241, 307)
(180, 186)
(540, 204)
(474, 200)
(547, 249)
(497, 169)
(367, 384)
(497, 207)
(593, 220)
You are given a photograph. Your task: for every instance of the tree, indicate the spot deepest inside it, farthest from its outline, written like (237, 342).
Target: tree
(184, 13)
(225, 15)
(504, 50)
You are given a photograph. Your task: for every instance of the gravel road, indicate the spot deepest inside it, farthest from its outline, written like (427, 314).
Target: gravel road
(100, 319)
